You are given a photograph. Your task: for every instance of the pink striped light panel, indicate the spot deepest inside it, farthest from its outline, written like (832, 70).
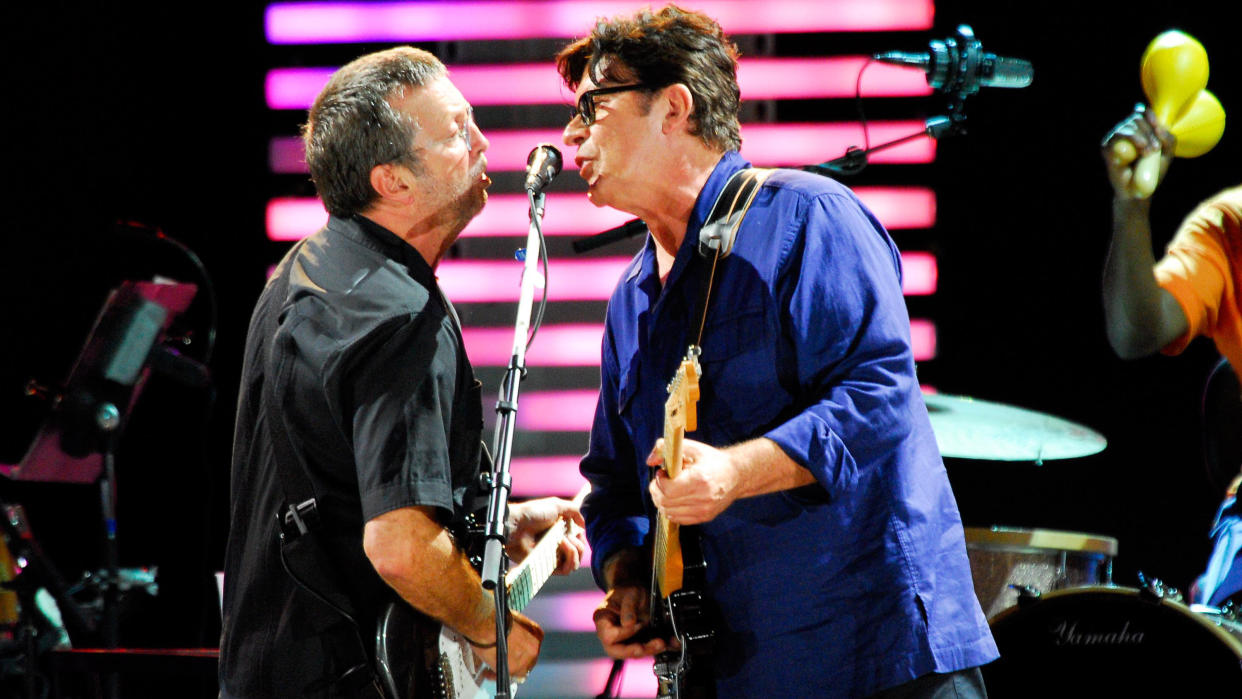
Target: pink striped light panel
(384, 22)
(539, 83)
(294, 218)
(766, 145)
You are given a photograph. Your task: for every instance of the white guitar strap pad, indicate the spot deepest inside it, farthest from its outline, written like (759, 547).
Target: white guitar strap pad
(717, 235)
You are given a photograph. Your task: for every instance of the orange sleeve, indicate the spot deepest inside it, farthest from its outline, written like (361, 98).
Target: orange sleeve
(1198, 267)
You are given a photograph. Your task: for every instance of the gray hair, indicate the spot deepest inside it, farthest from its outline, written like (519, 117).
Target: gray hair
(353, 126)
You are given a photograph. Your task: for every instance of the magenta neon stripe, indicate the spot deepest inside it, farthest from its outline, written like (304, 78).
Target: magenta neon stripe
(566, 611)
(539, 83)
(923, 339)
(286, 156)
(555, 345)
(900, 207)
(564, 214)
(499, 281)
(350, 22)
(536, 476)
(574, 410)
(294, 218)
(835, 76)
(766, 145)
(557, 411)
(772, 145)
(562, 677)
(919, 273)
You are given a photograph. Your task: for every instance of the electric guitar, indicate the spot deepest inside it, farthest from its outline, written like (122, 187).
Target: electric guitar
(418, 658)
(678, 571)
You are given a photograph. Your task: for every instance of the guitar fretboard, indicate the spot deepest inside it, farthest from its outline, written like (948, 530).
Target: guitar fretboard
(679, 416)
(525, 580)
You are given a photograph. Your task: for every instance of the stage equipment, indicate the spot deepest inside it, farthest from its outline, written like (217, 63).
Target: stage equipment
(1100, 641)
(956, 67)
(77, 443)
(543, 164)
(975, 429)
(1004, 560)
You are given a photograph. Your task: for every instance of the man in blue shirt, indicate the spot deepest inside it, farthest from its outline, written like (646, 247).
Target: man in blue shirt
(834, 547)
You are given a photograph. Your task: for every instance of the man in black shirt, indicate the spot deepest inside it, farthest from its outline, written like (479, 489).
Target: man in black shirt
(357, 393)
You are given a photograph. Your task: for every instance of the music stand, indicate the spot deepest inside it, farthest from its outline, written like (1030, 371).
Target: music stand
(77, 441)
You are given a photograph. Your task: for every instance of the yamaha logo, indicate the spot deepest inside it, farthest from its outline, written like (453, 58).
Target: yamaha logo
(1066, 633)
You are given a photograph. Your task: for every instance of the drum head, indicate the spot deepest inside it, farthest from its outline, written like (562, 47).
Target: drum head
(1109, 641)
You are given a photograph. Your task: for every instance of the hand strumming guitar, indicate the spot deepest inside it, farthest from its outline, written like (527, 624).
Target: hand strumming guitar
(625, 610)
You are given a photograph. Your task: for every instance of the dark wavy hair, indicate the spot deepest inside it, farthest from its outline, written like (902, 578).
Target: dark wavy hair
(665, 48)
(353, 126)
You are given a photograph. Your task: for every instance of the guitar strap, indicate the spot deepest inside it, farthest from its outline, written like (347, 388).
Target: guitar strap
(719, 232)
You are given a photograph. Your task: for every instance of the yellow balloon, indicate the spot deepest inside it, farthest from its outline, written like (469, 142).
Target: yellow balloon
(1174, 70)
(1200, 128)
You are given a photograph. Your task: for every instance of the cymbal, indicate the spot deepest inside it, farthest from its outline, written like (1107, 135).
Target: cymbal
(968, 428)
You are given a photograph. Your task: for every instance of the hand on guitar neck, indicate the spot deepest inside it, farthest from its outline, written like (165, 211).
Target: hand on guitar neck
(528, 525)
(529, 520)
(708, 483)
(713, 479)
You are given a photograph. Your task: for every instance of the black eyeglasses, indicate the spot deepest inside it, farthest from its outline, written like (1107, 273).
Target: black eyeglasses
(586, 102)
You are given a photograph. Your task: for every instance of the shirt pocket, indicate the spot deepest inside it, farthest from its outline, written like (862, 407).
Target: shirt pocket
(740, 390)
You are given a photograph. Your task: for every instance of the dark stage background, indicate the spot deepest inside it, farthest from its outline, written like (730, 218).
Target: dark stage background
(156, 114)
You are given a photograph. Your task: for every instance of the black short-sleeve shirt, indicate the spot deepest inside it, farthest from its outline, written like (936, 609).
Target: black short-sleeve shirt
(357, 354)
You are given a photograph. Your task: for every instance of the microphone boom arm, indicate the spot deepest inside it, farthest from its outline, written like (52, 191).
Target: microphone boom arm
(855, 158)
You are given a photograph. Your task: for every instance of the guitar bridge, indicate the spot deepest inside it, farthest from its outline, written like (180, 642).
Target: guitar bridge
(443, 688)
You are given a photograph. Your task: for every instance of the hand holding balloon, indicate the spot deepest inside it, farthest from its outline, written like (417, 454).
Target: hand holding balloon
(1188, 120)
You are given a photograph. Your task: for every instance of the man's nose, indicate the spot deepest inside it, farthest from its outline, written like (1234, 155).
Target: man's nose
(575, 133)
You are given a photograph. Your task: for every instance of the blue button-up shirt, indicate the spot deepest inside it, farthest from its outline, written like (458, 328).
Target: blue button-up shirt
(841, 588)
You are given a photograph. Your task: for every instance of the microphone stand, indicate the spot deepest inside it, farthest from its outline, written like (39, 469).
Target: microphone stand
(494, 560)
(855, 158)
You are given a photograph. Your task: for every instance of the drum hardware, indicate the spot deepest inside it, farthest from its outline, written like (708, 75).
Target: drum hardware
(1008, 563)
(1229, 610)
(1155, 589)
(1026, 594)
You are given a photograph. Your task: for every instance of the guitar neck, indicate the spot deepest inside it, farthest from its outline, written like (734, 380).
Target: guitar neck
(666, 562)
(525, 579)
(679, 416)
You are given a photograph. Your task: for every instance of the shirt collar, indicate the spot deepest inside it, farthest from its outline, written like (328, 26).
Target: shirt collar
(372, 235)
(729, 163)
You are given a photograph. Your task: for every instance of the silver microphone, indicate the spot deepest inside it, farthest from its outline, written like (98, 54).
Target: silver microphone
(960, 65)
(542, 165)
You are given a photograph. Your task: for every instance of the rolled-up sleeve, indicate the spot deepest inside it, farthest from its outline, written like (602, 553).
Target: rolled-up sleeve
(848, 331)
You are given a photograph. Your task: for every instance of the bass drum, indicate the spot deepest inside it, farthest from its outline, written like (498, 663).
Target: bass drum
(1111, 641)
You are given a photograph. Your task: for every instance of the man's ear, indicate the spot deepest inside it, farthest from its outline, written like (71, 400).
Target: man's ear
(680, 106)
(391, 181)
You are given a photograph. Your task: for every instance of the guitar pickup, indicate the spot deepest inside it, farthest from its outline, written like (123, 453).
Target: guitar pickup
(695, 629)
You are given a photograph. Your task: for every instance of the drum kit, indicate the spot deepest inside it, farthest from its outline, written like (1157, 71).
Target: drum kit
(1063, 628)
